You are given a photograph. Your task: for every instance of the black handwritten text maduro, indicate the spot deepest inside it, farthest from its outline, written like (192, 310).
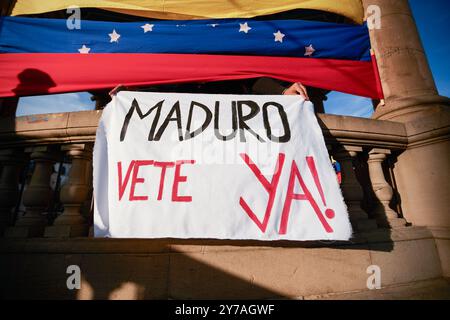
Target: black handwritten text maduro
(242, 112)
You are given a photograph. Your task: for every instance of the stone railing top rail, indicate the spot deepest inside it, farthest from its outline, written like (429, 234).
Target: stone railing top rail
(80, 127)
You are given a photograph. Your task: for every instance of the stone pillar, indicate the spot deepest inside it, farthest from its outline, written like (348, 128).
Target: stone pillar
(422, 172)
(74, 193)
(36, 197)
(351, 189)
(386, 217)
(11, 165)
(407, 81)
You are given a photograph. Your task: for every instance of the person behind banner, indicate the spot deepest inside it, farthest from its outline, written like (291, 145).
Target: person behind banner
(266, 86)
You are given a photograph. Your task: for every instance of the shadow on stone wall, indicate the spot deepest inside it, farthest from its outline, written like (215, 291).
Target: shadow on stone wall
(183, 269)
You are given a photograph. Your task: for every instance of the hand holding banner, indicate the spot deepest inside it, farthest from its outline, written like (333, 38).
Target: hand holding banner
(214, 166)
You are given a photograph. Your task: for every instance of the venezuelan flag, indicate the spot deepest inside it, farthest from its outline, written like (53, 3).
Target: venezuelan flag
(101, 54)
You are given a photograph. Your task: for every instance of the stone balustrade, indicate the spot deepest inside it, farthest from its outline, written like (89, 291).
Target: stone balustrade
(44, 140)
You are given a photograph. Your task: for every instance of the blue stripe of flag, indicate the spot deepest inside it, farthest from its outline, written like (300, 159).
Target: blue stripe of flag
(218, 36)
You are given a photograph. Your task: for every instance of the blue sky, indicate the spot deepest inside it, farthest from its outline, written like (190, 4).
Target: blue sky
(432, 18)
(433, 21)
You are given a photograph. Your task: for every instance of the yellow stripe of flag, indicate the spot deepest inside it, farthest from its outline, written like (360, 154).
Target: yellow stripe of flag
(196, 9)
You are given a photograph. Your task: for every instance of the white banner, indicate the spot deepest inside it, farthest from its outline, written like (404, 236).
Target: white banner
(214, 166)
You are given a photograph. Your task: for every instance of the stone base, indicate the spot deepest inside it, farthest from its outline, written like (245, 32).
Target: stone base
(61, 231)
(390, 223)
(4, 222)
(2, 230)
(91, 232)
(213, 269)
(442, 239)
(438, 289)
(364, 225)
(397, 223)
(24, 232)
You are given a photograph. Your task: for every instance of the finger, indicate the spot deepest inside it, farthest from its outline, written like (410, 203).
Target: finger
(112, 93)
(117, 88)
(291, 90)
(305, 92)
(299, 90)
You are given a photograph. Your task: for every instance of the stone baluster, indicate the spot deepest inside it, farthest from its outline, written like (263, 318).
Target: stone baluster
(386, 217)
(37, 195)
(71, 223)
(12, 163)
(351, 189)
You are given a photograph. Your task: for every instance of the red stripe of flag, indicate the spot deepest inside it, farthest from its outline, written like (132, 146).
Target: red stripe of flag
(40, 73)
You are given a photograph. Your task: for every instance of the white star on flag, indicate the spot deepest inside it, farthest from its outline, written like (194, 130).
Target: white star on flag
(84, 49)
(279, 36)
(213, 25)
(114, 36)
(244, 27)
(147, 27)
(309, 50)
